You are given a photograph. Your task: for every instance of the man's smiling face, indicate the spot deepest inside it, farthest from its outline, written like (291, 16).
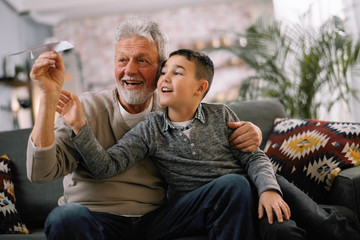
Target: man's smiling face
(136, 65)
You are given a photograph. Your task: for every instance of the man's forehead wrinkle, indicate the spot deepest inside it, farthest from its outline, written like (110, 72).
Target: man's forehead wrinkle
(128, 44)
(146, 51)
(136, 54)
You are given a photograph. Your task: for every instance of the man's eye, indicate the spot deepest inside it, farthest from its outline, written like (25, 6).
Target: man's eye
(142, 60)
(178, 73)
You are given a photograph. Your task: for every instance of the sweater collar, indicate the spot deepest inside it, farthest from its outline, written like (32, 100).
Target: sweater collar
(199, 114)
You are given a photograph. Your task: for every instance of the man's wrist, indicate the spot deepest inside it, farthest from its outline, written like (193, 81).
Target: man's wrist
(49, 98)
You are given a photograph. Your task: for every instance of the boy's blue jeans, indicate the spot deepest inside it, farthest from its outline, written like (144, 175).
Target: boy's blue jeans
(222, 209)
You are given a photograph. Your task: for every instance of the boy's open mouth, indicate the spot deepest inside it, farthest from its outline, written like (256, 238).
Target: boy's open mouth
(165, 90)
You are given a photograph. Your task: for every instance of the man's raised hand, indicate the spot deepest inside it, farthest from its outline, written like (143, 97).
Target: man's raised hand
(49, 71)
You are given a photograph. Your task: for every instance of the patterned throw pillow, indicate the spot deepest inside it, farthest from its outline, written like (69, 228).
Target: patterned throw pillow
(10, 220)
(310, 153)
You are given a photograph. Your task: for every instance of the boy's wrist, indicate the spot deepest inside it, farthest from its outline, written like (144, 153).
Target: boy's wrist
(77, 126)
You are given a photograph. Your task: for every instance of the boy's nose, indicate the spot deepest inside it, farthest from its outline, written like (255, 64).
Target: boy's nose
(166, 77)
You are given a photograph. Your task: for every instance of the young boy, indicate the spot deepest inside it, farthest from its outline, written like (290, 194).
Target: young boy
(189, 144)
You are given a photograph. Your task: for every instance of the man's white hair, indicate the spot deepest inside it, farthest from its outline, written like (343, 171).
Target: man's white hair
(136, 26)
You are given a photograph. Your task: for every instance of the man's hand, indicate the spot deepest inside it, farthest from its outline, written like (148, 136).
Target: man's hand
(70, 108)
(270, 201)
(246, 136)
(48, 71)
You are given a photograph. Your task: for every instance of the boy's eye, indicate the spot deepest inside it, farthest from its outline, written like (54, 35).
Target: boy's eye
(178, 73)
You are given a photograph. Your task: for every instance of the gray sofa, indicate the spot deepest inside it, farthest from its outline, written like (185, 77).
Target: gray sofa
(35, 201)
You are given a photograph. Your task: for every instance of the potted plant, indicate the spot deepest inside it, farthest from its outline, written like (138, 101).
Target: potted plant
(305, 67)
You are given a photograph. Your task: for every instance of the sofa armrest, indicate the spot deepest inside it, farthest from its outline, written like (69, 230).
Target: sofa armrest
(346, 189)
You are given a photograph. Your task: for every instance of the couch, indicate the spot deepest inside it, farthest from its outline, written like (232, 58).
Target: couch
(34, 201)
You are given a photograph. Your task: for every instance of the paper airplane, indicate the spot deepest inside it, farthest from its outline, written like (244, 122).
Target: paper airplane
(56, 46)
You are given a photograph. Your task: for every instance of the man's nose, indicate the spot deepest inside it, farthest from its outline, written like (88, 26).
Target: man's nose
(131, 68)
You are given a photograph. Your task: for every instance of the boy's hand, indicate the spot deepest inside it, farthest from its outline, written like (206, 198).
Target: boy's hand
(246, 136)
(70, 108)
(270, 201)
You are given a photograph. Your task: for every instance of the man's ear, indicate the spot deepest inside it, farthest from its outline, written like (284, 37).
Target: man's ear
(203, 86)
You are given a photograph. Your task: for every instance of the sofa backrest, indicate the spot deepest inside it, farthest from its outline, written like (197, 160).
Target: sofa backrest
(262, 113)
(34, 201)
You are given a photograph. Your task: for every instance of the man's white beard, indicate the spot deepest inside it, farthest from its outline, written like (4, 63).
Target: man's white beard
(135, 97)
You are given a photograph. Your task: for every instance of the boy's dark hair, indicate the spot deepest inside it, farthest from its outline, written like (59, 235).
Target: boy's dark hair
(204, 67)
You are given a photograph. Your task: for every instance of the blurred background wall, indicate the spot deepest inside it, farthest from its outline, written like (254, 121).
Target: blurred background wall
(89, 66)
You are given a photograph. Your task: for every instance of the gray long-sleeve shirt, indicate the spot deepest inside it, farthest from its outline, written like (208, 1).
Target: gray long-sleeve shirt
(186, 163)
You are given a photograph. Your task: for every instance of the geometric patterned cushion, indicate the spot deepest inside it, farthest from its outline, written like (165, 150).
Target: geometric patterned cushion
(310, 153)
(10, 220)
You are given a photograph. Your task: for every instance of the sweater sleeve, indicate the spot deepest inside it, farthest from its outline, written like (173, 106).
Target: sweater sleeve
(105, 163)
(256, 164)
(48, 164)
(260, 171)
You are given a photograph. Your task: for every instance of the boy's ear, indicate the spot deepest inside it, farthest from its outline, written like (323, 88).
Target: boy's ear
(203, 86)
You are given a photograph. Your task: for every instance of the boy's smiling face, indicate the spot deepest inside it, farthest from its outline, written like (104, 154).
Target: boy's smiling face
(177, 85)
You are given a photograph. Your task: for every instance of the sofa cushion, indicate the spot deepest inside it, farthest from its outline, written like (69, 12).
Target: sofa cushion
(10, 219)
(310, 153)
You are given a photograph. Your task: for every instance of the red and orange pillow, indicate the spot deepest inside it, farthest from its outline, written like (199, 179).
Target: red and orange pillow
(310, 153)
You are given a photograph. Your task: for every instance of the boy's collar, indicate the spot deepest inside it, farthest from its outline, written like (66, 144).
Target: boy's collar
(168, 124)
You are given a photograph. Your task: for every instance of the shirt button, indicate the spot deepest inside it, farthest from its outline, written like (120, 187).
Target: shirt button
(193, 153)
(185, 139)
(192, 144)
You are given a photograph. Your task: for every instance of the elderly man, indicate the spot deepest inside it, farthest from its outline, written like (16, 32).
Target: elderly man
(122, 206)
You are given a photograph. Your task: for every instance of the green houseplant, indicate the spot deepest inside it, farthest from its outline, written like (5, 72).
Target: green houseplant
(306, 68)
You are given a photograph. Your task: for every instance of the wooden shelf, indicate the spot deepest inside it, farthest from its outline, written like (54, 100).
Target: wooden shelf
(14, 82)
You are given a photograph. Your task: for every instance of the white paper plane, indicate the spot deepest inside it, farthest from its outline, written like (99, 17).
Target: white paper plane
(56, 46)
